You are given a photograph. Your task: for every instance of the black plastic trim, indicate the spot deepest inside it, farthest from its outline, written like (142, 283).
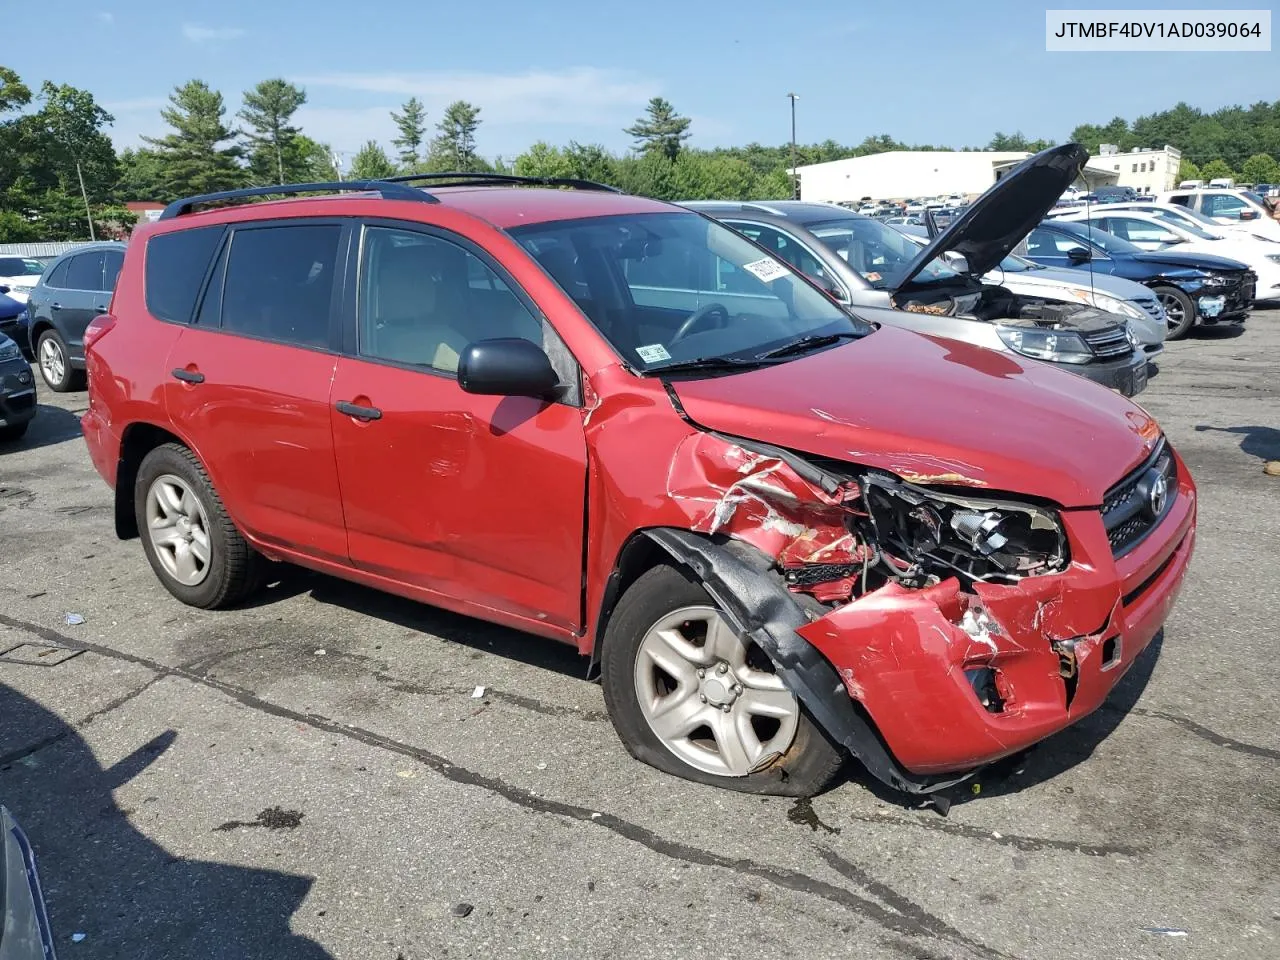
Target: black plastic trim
(387, 189)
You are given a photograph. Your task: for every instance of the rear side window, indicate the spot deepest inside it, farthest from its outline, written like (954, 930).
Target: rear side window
(111, 272)
(85, 272)
(176, 265)
(279, 282)
(58, 276)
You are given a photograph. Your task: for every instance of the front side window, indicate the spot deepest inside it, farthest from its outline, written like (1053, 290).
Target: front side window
(1223, 205)
(666, 288)
(85, 272)
(880, 254)
(424, 298)
(1107, 242)
(279, 283)
(1140, 231)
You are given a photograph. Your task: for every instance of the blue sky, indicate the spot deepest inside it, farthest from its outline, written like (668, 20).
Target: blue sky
(937, 72)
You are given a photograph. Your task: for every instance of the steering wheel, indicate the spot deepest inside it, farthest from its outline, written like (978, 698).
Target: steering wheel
(699, 315)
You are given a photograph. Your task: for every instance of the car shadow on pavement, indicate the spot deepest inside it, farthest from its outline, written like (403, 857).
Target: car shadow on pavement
(1051, 757)
(465, 631)
(109, 885)
(51, 425)
(1260, 442)
(1215, 332)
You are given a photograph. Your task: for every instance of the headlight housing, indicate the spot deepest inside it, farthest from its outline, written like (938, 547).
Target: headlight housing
(1273, 257)
(1213, 280)
(1043, 343)
(9, 350)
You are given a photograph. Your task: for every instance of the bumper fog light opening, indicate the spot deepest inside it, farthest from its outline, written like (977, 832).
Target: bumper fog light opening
(983, 681)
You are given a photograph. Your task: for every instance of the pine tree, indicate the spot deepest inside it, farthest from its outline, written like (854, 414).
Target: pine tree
(192, 158)
(661, 130)
(268, 109)
(412, 123)
(455, 145)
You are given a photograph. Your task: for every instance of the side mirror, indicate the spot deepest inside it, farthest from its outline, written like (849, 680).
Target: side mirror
(507, 367)
(1248, 214)
(1079, 255)
(3, 289)
(827, 286)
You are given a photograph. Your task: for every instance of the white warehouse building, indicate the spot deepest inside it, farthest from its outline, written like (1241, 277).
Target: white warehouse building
(1147, 171)
(898, 174)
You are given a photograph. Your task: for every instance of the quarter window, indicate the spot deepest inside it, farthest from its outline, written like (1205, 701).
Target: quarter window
(175, 267)
(114, 260)
(423, 299)
(58, 275)
(279, 283)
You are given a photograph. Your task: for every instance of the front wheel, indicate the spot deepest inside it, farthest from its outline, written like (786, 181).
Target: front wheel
(194, 548)
(1179, 309)
(689, 696)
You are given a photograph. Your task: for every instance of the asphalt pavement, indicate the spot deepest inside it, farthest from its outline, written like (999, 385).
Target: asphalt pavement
(312, 776)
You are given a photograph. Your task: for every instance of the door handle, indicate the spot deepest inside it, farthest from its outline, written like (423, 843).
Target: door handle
(188, 376)
(357, 411)
(100, 308)
(55, 305)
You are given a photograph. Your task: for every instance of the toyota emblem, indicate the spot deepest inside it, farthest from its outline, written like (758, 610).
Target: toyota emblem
(1158, 494)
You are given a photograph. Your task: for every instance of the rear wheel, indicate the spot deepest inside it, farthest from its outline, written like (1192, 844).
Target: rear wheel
(192, 545)
(55, 364)
(1179, 309)
(689, 696)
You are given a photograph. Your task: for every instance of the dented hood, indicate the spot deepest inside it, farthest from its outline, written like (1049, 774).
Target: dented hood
(996, 222)
(936, 411)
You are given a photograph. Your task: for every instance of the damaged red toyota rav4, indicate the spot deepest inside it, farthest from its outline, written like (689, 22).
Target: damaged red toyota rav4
(784, 533)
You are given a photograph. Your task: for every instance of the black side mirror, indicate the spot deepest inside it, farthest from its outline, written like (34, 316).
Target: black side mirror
(1079, 255)
(507, 367)
(3, 289)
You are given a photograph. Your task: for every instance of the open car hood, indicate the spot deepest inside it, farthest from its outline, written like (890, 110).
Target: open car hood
(997, 221)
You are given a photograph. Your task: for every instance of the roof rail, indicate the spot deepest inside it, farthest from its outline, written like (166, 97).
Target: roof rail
(387, 189)
(459, 179)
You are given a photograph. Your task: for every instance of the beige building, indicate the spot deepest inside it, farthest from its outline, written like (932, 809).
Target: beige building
(1147, 171)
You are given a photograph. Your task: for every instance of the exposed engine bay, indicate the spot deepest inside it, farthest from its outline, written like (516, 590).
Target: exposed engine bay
(996, 304)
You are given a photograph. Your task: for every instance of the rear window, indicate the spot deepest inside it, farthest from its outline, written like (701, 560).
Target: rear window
(176, 265)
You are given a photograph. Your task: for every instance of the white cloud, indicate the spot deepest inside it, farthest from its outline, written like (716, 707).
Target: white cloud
(577, 96)
(198, 33)
(107, 18)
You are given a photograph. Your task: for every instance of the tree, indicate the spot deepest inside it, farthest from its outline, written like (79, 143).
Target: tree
(1260, 168)
(543, 160)
(193, 157)
(648, 175)
(268, 109)
(371, 163)
(412, 123)
(454, 147)
(661, 130)
(1216, 169)
(141, 176)
(314, 160)
(1187, 170)
(703, 176)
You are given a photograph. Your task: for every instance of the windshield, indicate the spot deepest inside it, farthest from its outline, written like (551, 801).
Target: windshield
(20, 267)
(668, 288)
(879, 253)
(1108, 242)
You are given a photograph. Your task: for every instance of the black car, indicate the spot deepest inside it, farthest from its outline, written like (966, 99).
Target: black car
(13, 317)
(17, 391)
(74, 289)
(1192, 287)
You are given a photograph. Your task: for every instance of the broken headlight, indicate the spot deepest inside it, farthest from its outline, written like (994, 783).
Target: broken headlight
(941, 535)
(1058, 346)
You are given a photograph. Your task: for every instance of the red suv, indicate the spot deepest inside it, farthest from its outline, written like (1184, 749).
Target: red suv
(784, 533)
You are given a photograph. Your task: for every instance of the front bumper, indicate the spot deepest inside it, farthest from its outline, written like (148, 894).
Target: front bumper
(17, 393)
(1127, 375)
(1226, 305)
(903, 654)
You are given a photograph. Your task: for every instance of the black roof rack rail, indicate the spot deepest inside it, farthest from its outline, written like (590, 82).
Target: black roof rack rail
(481, 179)
(387, 189)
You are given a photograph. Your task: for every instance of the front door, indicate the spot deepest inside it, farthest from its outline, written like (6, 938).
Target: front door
(249, 384)
(479, 499)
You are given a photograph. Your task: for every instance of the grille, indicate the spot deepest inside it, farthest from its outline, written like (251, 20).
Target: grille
(1109, 342)
(1130, 511)
(1152, 306)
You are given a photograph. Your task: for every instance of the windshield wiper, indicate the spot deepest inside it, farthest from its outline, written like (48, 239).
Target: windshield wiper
(807, 343)
(710, 363)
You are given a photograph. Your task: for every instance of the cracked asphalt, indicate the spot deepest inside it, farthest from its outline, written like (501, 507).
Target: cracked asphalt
(312, 777)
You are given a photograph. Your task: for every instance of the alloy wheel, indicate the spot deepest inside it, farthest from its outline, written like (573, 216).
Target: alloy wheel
(53, 364)
(179, 530)
(1173, 311)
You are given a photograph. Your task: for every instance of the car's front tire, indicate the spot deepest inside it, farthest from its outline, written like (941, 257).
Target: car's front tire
(55, 363)
(191, 543)
(690, 697)
(1179, 308)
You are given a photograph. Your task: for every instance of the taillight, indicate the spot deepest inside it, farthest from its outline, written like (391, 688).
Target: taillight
(98, 326)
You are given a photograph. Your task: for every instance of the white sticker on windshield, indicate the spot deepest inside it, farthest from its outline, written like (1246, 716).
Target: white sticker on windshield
(653, 353)
(767, 269)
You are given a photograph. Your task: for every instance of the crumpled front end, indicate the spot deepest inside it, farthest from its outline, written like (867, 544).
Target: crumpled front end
(965, 624)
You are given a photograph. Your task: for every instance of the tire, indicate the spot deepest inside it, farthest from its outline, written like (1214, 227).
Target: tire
(804, 761)
(14, 431)
(1177, 303)
(172, 487)
(55, 363)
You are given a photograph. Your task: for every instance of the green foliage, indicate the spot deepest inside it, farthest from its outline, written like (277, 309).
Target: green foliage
(268, 109)
(1231, 134)
(1216, 170)
(660, 131)
(412, 124)
(313, 161)
(201, 155)
(1016, 141)
(1260, 168)
(454, 147)
(371, 163)
(1188, 171)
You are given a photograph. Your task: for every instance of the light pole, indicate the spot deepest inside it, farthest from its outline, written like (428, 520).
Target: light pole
(795, 177)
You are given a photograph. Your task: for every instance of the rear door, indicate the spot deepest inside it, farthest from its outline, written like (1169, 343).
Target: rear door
(82, 300)
(249, 382)
(478, 499)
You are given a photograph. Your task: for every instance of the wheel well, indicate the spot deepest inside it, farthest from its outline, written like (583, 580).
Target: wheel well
(139, 440)
(37, 328)
(638, 556)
